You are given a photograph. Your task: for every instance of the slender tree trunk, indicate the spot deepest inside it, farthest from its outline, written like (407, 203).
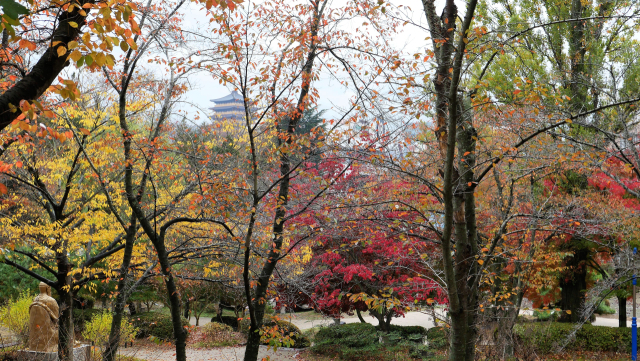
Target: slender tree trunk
(381, 321)
(65, 321)
(388, 320)
(179, 333)
(360, 316)
(622, 311)
(111, 350)
(459, 203)
(259, 301)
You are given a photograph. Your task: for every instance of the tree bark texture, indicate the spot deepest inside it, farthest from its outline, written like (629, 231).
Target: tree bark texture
(42, 75)
(111, 349)
(65, 302)
(454, 129)
(622, 311)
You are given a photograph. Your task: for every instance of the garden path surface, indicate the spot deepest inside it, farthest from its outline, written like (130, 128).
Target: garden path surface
(409, 319)
(202, 354)
(304, 323)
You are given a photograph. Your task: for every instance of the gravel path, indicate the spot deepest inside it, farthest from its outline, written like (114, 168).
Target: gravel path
(213, 354)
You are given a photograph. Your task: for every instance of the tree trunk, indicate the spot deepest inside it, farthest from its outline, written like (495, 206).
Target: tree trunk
(459, 223)
(111, 350)
(360, 316)
(174, 301)
(458, 338)
(219, 311)
(186, 309)
(253, 345)
(381, 321)
(387, 322)
(132, 309)
(622, 311)
(65, 303)
(574, 283)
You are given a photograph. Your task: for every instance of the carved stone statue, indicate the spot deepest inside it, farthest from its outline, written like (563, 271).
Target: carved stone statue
(43, 321)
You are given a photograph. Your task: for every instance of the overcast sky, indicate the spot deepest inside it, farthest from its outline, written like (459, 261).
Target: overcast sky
(332, 95)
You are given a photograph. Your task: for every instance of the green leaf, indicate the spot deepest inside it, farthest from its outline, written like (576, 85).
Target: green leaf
(12, 9)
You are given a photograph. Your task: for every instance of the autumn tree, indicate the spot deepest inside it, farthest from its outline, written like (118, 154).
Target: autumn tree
(463, 156)
(55, 215)
(273, 54)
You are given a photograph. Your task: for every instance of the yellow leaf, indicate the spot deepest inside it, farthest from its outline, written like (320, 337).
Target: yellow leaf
(73, 44)
(75, 55)
(73, 24)
(61, 50)
(481, 262)
(568, 312)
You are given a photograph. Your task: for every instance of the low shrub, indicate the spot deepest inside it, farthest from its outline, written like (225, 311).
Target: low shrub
(361, 341)
(276, 332)
(544, 337)
(220, 335)
(415, 334)
(98, 328)
(155, 324)
(438, 338)
(604, 309)
(82, 317)
(10, 353)
(349, 341)
(352, 335)
(15, 316)
(213, 328)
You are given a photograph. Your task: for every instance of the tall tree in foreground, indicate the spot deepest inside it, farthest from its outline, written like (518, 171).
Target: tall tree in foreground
(459, 93)
(276, 52)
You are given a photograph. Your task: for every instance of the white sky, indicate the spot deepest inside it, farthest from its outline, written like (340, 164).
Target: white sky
(332, 95)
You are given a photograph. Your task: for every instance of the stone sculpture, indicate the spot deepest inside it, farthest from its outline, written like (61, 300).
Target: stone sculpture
(43, 321)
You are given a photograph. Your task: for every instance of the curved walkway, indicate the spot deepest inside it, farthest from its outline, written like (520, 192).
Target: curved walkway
(203, 354)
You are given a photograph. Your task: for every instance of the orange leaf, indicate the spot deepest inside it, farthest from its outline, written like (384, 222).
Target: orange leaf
(85, 131)
(3, 189)
(517, 91)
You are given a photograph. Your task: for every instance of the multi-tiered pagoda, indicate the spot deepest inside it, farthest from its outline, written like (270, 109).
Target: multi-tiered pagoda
(229, 107)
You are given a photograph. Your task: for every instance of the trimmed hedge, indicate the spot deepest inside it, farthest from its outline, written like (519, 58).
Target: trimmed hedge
(352, 341)
(284, 328)
(415, 334)
(361, 341)
(155, 324)
(544, 337)
(350, 335)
